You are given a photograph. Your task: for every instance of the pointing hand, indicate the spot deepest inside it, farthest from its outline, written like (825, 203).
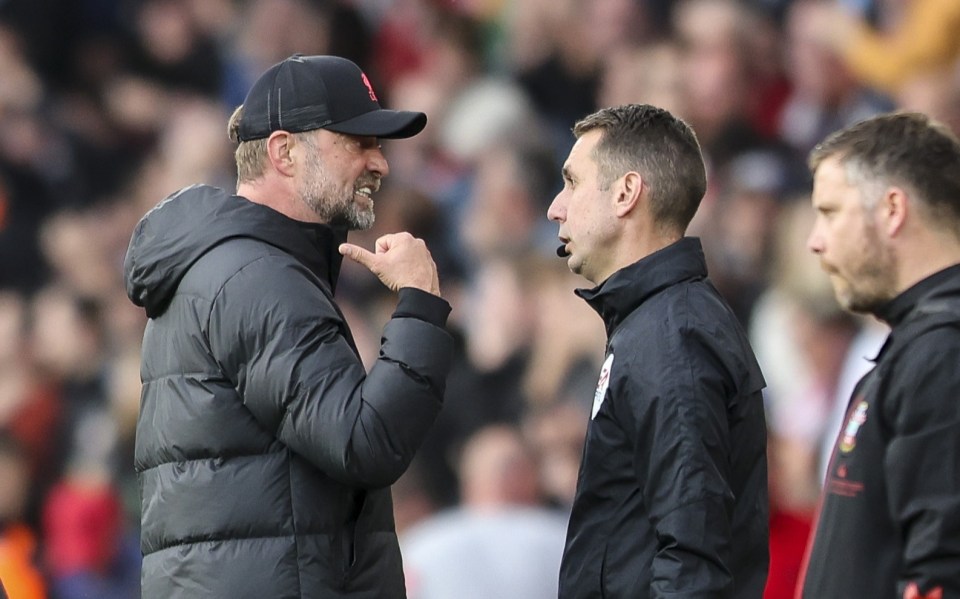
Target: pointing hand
(399, 260)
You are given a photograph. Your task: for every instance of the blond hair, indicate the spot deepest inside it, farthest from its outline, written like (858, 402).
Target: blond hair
(251, 156)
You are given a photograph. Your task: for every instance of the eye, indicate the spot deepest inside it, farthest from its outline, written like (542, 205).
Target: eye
(359, 144)
(369, 143)
(356, 144)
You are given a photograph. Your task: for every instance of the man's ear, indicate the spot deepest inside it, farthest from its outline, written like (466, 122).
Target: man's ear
(628, 190)
(280, 145)
(893, 209)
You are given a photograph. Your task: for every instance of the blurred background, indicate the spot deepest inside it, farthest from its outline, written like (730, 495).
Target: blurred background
(107, 106)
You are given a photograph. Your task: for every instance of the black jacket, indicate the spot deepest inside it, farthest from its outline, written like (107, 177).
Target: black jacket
(890, 515)
(264, 449)
(672, 495)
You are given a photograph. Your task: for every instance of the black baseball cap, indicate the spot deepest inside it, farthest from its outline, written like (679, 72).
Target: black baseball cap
(302, 93)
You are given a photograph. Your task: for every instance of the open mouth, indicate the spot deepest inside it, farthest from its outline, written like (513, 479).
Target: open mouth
(366, 186)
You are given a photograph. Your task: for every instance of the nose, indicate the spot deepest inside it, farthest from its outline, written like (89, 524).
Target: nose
(377, 162)
(815, 241)
(557, 212)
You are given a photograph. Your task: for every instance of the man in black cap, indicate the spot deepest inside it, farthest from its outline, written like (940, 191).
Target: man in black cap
(265, 450)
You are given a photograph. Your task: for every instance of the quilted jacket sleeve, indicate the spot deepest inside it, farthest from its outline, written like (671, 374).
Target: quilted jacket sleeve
(276, 333)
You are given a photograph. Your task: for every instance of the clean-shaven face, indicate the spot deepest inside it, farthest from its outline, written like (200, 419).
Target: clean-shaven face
(585, 213)
(340, 176)
(846, 236)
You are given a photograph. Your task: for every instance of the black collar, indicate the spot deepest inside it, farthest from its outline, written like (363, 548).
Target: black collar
(314, 245)
(897, 309)
(630, 286)
(324, 259)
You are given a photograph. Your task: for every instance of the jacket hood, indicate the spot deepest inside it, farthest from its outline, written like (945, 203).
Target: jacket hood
(179, 230)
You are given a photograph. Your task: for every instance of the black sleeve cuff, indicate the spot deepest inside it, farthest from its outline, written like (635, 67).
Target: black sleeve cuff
(416, 303)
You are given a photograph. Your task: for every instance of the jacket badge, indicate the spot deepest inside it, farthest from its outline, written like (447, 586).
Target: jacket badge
(849, 439)
(602, 385)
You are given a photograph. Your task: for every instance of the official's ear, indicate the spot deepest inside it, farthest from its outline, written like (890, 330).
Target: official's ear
(628, 190)
(893, 210)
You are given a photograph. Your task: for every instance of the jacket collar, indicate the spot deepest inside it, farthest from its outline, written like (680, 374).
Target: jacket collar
(630, 286)
(942, 283)
(317, 250)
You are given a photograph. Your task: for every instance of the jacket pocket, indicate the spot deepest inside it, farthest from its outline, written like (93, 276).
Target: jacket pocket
(348, 536)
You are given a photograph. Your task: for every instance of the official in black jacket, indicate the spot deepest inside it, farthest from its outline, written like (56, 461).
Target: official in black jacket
(264, 450)
(887, 197)
(672, 495)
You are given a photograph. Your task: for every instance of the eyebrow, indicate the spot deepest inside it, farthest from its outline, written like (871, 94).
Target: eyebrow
(365, 141)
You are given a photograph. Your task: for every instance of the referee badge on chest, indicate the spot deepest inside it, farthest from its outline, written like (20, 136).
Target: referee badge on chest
(602, 385)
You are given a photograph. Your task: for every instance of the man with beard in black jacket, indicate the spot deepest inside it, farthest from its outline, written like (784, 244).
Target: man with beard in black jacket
(887, 197)
(264, 450)
(672, 495)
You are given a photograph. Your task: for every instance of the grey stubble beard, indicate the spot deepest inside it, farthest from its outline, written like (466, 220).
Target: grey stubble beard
(332, 205)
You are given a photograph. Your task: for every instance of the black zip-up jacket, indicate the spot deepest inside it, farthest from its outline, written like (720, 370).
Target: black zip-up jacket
(264, 449)
(672, 495)
(890, 515)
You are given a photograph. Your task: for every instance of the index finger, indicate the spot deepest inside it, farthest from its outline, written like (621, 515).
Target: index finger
(356, 253)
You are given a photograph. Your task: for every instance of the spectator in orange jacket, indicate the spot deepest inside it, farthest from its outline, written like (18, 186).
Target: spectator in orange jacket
(19, 575)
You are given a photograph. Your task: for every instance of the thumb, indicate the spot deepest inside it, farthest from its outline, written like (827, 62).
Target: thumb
(356, 253)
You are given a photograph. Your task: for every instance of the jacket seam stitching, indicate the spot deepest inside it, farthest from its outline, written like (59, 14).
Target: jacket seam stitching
(205, 332)
(217, 376)
(213, 457)
(294, 536)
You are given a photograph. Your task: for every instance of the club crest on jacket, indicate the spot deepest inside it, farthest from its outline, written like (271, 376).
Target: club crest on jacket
(856, 420)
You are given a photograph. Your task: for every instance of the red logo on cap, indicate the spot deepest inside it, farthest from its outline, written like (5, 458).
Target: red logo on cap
(366, 82)
(913, 592)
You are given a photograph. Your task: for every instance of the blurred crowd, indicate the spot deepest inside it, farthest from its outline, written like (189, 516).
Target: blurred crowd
(107, 106)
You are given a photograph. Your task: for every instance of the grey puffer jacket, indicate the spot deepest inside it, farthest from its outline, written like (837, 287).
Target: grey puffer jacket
(264, 449)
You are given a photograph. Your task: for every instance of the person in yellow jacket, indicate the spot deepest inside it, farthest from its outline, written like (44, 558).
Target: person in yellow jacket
(924, 37)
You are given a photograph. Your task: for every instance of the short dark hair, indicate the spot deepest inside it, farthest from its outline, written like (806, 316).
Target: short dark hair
(908, 149)
(659, 146)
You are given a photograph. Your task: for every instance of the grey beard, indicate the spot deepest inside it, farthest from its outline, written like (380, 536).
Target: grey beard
(353, 217)
(343, 214)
